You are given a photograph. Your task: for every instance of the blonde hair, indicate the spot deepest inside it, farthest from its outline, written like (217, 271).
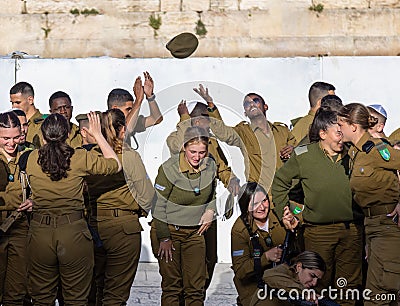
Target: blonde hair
(113, 121)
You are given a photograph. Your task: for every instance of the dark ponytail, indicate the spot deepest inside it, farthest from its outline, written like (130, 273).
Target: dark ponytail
(55, 155)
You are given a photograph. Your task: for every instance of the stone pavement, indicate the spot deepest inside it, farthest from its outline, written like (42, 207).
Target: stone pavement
(146, 289)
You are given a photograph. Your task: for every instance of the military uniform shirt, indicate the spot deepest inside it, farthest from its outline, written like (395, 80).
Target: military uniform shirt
(258, 149)
(66, 195)
(327, 194)
(34, 134)
(302, 126)
(373, 179)
(177, 203)
(111, 192)
(75, 137)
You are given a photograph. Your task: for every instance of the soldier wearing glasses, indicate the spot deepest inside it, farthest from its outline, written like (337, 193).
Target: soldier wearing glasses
(255, 238)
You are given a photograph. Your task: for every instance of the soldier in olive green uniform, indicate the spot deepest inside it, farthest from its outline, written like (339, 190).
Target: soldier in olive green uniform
(60, 103)
(22, 97)
(59, 242)
(395, 136)
(256, 222)
(264, 145)
(322, 169)
(303, 274)
(116, 203)
(184, 210)
(200, 117)
(13, 257)
(316, 92)
(375, 186)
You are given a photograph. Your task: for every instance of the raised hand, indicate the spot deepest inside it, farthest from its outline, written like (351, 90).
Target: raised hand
(148, 85)
(203, 92)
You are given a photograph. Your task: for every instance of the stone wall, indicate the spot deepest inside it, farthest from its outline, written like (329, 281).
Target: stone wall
(234, 28)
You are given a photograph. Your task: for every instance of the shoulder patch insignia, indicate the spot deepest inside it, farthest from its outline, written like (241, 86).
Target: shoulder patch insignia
(301, 149)
(367, 147)
(383, 151)
(159, 187)
(237, 253)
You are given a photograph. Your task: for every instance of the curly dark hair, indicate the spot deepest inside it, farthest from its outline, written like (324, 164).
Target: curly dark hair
(55, 155)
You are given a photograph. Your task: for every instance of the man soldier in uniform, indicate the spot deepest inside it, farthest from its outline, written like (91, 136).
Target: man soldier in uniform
(317, 91)
(22, 97)
(60, 102)
(123, 100)
(264, 145)
(377, 111)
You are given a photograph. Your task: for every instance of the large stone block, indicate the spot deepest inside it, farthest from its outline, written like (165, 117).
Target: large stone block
(224, 5)
(11, 7)
(226, 24)
(384, 3)
(348, 4)
(198, 5)
(256, 4)
(171, 5)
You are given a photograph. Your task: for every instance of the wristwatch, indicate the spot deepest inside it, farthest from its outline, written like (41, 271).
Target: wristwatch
(165, 240)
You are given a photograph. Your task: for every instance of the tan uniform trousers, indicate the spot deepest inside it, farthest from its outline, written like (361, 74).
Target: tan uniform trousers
(186, 274)
(59, 249)
(13, 263)
(117, 260)
(340, 245)
(383, 276)
(211, 251)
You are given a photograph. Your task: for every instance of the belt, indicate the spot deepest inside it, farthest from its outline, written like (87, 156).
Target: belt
(379, 210)
(56, 221)
(112, 212)
(177, 227)
(329, 223)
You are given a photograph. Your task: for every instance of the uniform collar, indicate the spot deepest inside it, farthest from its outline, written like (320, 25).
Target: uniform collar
(362, 140)
(340, 155)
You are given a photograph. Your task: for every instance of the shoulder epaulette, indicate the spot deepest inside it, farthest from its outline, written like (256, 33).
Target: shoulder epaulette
(301, 149)
(367, 147)
(294, 121)
(386, 141)
(39, 120)
(280, 124)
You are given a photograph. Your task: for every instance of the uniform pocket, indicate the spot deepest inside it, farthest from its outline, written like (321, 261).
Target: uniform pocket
(363, 171)
(391, 276)
(87, 234)
(132, 227)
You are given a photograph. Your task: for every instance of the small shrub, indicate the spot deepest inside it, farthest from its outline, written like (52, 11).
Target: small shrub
(200, 28)
(317, 8)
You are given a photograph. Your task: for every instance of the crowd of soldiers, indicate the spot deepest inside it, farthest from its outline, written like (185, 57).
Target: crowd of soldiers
(320, 202)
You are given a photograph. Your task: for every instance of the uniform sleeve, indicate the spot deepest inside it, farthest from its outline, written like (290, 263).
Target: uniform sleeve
(96, 164)
(224, 172)
(164, 188)
(175, 139)
(137, 179)
(291, 140)
(242, 259)
(392, 164)
(140, 125)
(279, 278)
(282, 183)
(223, 132)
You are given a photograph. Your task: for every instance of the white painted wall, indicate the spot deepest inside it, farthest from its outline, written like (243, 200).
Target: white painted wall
(283, 82)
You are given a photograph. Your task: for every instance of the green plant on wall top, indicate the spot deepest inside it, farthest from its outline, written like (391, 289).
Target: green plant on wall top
(317, 8)
(85, 12)
(155, 22)
(200, 28)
